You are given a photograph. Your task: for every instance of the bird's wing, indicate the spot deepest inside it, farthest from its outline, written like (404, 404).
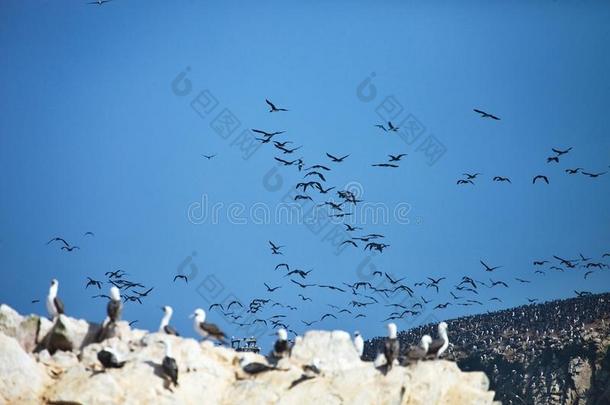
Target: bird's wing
(59, 305)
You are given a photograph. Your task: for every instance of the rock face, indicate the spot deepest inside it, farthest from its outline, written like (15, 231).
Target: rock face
(209, 374)
(551, 353)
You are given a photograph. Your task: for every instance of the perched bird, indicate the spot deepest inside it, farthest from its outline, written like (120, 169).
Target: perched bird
(109, 358)
(165, 327)
(438, 346)
(391, 347)
(281, 347)
(254, 367)
(114, 308)
(419, 352)
(169, 365)
(358, 343)
(205, 329)
(55, 306)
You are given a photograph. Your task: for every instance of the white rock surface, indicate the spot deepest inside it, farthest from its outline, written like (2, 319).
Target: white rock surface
(212, 375)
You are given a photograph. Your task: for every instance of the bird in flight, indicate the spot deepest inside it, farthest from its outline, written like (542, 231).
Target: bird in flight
(461, 181)
(208, 157)
(384, 165)
(89, 234)
(540, 262)
(487, 268)
(69, 248)
(273, 107)
(396, 158)
(561, 152)
(540, 177)
(593, 175)
(336, 159)
(59, 240)
(486, 115)
(351, 228)
(573, 171)
(267, 134)
(181, 276)
(470, 176)
(270, 289)
(552, 159)
(96, 283)
(500, 178)
(275, 249)
(99, 2)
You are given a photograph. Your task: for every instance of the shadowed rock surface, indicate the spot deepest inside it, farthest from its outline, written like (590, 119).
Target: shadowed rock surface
(30, 374)
(550, 353)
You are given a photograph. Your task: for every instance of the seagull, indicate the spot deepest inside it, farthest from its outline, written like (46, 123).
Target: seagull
(109, 358)
(391, 347)
(181, 276)
(164, 327)
(486, 115)
(169, 365)
(546, 179)
(205, 329)
(273, 107)
(55, 306)
(500, 178)
(358, 343)
(487, 268)
(336, 159)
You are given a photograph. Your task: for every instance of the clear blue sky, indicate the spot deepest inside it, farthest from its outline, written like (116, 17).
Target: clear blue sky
(92, 138)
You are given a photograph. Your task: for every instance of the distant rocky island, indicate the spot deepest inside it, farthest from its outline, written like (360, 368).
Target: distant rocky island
(550, 353)
(58, 363)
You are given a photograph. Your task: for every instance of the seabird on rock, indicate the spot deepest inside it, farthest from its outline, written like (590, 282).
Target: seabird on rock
(109, 358)
(255, 367)
(416, 353)
(54, 304)
(114, 307)
(391, 347)
(164, 326)
(205, 329)
(310, 371)
(281, 348)
(358, 343)
(169, 365)
(438, 346)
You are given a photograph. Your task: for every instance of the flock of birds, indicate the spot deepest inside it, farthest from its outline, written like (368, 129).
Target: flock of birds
(109, 357)
(380, 292)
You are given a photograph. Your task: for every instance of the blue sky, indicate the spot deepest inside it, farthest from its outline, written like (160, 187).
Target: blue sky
(93, 138)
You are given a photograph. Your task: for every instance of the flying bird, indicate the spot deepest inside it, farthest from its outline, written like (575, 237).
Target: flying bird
(593, 175)
(269, 289)
(336, 159)
(561, 152)
(486, 115)
(273, 107)
(500, 178)
(208, 157)
(396, 158)
(540, 177)
(181, 276)
(488, 268)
